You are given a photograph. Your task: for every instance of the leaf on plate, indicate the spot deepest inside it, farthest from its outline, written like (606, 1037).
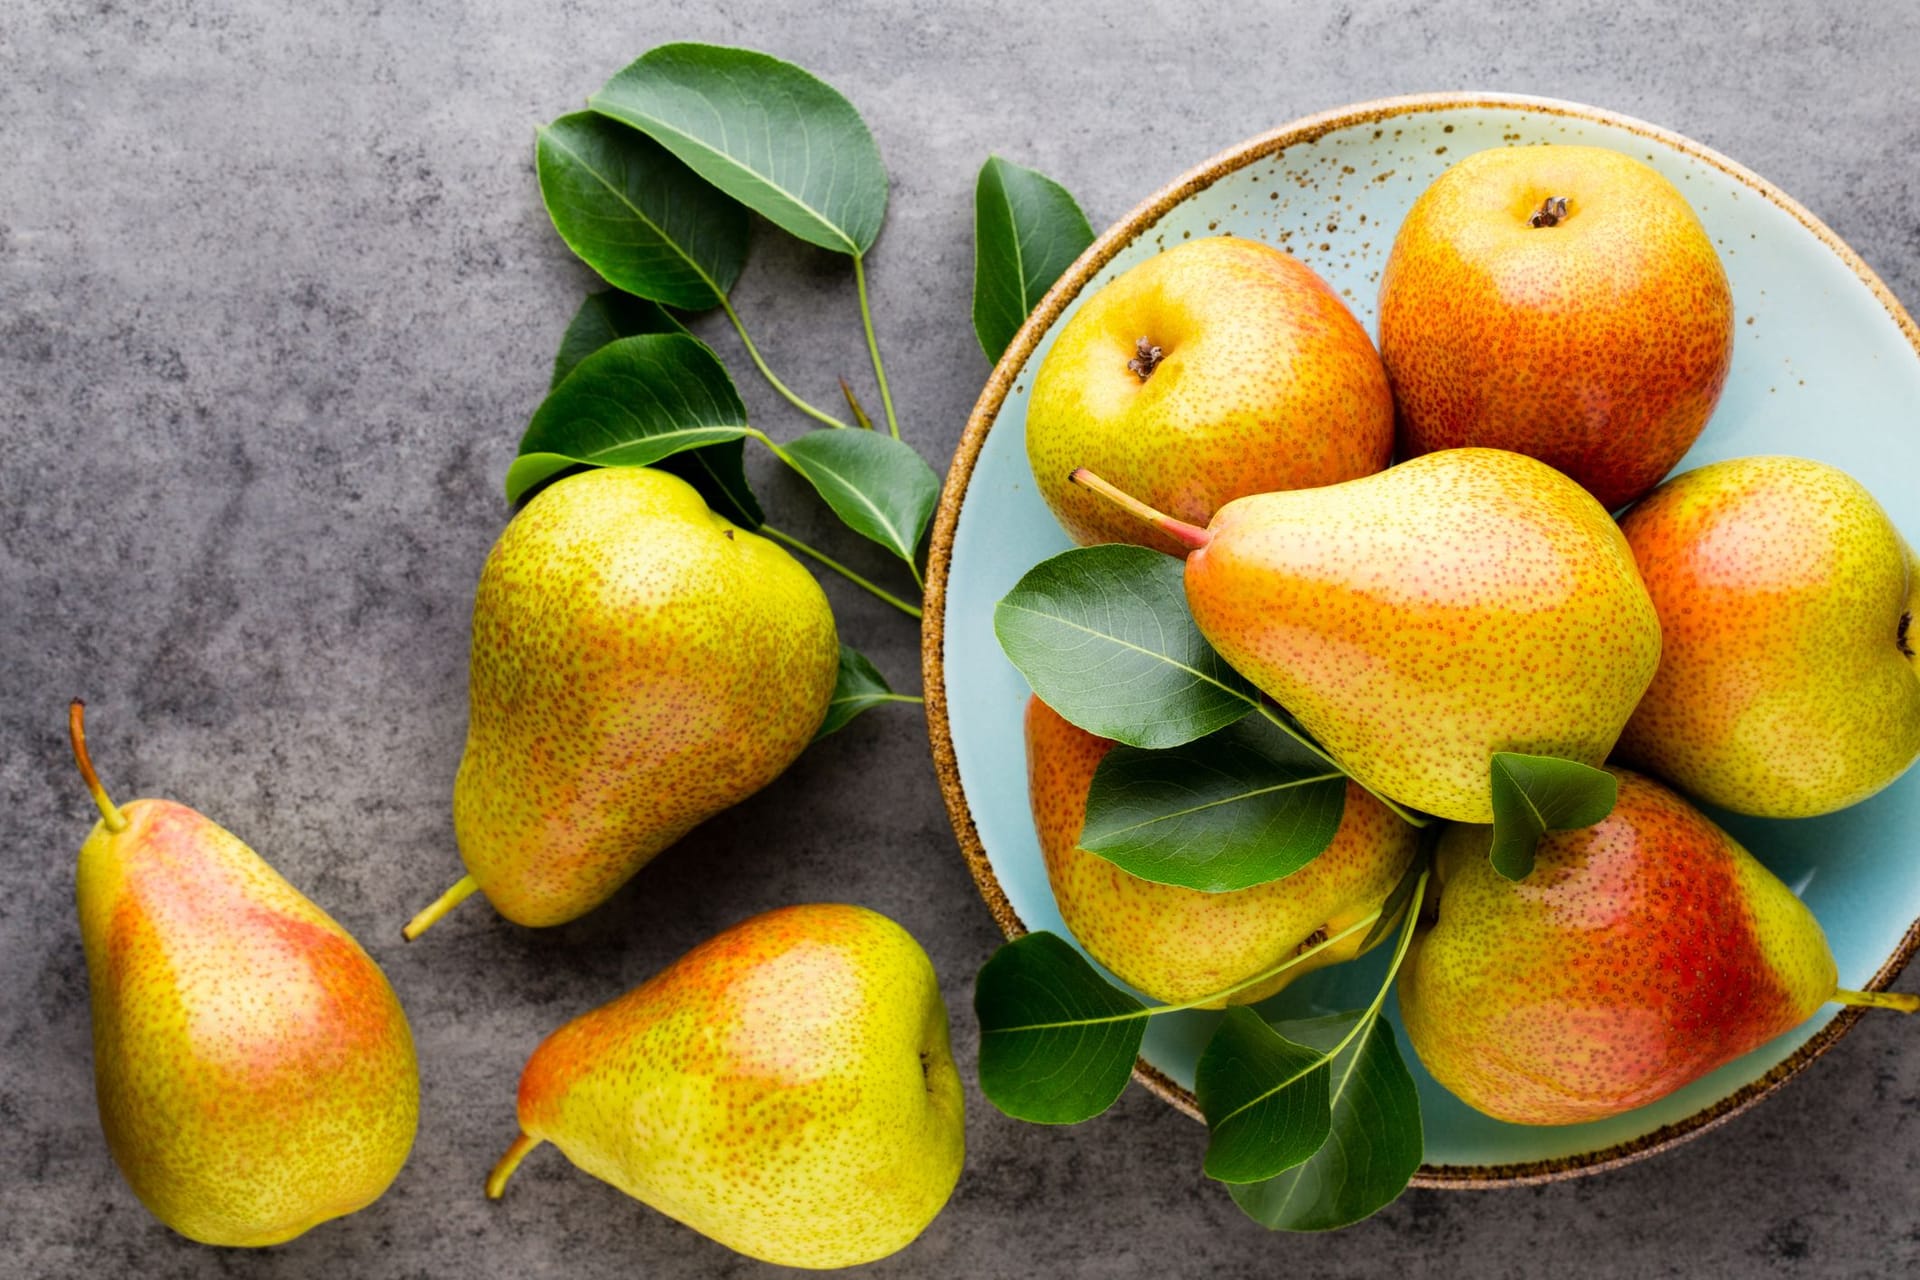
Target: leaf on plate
(1234, 809)
(1533, 795)
(1374, 1145)
(858, 687)
(603, 317)
(774, 137)
(1026, 231)
(1265, 1099)
(638, 216)
(1103, 636)
(879, 487)
(1057, 1041)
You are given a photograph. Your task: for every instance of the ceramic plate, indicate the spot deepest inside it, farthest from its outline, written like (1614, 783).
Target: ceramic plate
(1826, 365)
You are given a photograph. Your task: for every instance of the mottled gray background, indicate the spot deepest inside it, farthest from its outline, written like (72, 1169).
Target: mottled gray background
(276, 298)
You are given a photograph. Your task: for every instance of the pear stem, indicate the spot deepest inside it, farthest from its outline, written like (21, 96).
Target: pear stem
(462, 889)
(77, 731)
(1898, 1001)
(1190, 536)
(497, 1180)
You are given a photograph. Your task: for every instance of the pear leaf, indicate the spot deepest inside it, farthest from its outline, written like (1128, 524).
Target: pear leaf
(603, 317)
(1234, 809)
(631, 403)
(1533, 795)
(1057, 1041)
(1264, 1097)
(774, 137)
(1396, 903)
(859, 686)
(1374, 1144)
(1026, 231)
(638, 216)
(879, 487)
(1104, 637)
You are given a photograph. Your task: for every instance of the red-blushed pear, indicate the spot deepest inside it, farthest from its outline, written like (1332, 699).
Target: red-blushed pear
(254, 1069)
(1178, 944)
(1215, 369)
(1564, 302)
(1641, 953)
(1418, 621)
(1789, 685)
(786, 1088)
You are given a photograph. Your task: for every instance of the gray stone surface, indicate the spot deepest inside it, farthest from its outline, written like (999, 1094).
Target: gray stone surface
(276, 297)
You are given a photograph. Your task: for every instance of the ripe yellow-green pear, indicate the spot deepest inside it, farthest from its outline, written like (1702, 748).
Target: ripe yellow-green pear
(1640, 953)
(639, 664)
(1416, 622)
(255, 1072)
(1218, 368)
(1178, 944)
(785, 1087)
(1788, 686)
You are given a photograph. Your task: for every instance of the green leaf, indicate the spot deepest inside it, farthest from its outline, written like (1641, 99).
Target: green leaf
(878, 486)
(602, 318)
(1536, 794)
(1264, 1097)
(1228, 811)
(638, 216)
(777, 139)
(1375, 1143)
(631, 403)
(1103, 636)
(1402, 893)
(859, 686)
(1026, 231)
(1057, 1041)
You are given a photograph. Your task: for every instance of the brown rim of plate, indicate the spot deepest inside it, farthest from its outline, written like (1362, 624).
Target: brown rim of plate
(1009, 367)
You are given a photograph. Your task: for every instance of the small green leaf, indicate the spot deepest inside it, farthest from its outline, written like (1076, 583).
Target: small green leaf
(1228, 811)
(1104, 637)
(1264, 1097)
(1533, 795)
(638, 216)
(854, 407)
(1026, 231)
(631, 403)
(878, 486)
(776, 138)
(859, 686)
(1374, 1146)
(1057, 1041)
(603, 317)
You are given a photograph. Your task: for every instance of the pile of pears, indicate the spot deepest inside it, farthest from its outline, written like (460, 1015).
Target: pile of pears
(1555, 332)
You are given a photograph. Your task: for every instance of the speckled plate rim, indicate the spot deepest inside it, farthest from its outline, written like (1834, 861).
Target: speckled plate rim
(987, 408)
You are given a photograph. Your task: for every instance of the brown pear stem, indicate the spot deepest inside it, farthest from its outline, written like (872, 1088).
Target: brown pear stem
(462, 889)
(1190, 536)
(497, 1180)
(1898, 1001)
(77, 731)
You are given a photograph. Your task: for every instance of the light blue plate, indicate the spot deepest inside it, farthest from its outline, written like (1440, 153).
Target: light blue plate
(1826, 365)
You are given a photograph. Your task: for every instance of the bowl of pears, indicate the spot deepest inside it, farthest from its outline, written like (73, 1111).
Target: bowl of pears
(1421, 654)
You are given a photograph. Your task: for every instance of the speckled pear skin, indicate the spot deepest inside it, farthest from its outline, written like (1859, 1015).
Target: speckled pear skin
(1788, 686)
(1177, 944)
(1419, 620)
(1639, 955)
(639, 664)
(254, 1069)
(1599, 345)
(1266, 381)
(785, 1088)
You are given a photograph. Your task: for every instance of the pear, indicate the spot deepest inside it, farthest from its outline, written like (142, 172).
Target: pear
(785, 1087)
(1218, 368)
(1178, 944)
(639, 664)
(1639, 955)
(1788, 685)
(254, 1069)
(1418, 621)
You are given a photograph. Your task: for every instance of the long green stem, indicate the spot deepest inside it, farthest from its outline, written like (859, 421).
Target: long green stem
(817, 415)
(911, 611)
(1393, 969)
(1284, 725)
(873, 347)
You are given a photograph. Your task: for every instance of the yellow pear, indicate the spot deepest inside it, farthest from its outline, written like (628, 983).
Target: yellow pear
(785, 1087)
(254, 1069)
(639, 664)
